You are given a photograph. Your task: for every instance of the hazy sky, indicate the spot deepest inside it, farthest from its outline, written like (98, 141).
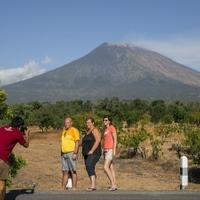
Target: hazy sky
(39, 35)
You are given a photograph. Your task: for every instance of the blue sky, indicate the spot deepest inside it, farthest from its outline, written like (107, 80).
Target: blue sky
(40, 35)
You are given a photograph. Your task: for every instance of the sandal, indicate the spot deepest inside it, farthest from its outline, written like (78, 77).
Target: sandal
(91, 189)
(112, 189)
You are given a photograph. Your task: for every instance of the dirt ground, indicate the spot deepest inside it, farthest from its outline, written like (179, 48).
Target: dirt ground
(44, 169)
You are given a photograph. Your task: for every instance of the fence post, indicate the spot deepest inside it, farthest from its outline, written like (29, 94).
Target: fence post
(183, 172)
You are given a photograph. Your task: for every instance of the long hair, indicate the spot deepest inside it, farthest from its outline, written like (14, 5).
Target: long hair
(109, 118)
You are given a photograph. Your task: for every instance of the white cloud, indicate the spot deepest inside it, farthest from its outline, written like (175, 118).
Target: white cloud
(11, 75)
(47, 60)
(184, 51)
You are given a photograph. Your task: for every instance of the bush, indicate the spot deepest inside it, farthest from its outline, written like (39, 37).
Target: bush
(156, 147)
(194, 118)
(16, 163)
(131, 117)
(3, 105)
(134, 139)
(193, 141)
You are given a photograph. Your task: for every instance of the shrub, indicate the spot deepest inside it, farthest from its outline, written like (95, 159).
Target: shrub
(16, 163)
(3, 105)
(194, 118)
(131, 117)
(156, 144)
(134, 139)
(193, 141)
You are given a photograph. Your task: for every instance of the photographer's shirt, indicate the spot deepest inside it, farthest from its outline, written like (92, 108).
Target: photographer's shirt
(9, 137)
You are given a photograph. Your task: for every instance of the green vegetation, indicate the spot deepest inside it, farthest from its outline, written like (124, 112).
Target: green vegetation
(131, 117)
(3, 105)
(16, 162)
(50, 115)
(133, 139)
(193, 141)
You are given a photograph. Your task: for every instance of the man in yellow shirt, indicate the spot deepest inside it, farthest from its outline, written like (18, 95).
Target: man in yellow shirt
(69, 149)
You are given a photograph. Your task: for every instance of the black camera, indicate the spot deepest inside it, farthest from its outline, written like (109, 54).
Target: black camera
(23, 129)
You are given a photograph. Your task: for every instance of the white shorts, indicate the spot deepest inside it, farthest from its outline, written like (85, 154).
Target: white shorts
(108, 154)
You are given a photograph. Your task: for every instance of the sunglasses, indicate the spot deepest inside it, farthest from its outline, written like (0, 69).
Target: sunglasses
(105, 120)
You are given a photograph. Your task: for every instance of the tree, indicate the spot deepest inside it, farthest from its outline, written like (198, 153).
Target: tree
(158, 110)
(44, 118)
(3, 105)
(140, 105)
(193, 141)
(194, 118)
(178, 112)
(16, 162)
(131, 117)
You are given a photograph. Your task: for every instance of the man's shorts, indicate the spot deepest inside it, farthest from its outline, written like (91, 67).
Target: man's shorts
(68, 164)
(108, 154)
(4, 170)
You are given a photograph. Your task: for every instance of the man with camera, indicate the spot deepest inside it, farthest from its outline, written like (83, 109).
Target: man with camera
(9, 136)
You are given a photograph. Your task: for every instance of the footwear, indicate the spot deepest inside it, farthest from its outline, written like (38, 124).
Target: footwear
(91, 189)
(112, 189)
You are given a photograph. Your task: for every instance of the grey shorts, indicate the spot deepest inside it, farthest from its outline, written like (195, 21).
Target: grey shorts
(68, 164)
(4, 170)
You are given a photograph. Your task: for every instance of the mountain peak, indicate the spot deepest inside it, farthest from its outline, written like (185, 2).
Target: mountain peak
(122, 45)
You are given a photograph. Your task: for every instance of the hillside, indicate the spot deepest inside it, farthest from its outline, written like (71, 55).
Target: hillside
(119, 69)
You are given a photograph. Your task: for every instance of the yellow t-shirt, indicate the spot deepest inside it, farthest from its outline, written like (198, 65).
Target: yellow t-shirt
(68, 139)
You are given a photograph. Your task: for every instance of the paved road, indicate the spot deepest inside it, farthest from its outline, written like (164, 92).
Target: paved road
(103, 195)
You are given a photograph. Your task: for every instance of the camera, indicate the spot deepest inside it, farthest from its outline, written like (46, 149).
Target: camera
(23, 128)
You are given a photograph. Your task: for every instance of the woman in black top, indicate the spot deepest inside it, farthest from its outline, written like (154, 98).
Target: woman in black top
(91, 150)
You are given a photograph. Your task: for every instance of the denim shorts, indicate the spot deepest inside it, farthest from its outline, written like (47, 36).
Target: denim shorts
(68, 164)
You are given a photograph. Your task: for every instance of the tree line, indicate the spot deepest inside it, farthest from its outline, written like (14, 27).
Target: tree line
(51, 115)
(125, 113)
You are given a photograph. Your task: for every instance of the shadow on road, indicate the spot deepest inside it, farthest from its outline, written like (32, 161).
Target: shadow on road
(12, 194)
(194, 175)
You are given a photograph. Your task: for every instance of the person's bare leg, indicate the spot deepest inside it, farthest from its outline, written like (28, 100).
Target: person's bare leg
(64, 179)
(2, 189)
(93, 181)
(107, 169)
(74, 180)
(113, 174)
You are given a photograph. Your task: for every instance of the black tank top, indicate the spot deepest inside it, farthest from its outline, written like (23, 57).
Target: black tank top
(87, 144)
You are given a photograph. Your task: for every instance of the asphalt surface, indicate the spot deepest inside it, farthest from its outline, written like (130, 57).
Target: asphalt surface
(102, 195)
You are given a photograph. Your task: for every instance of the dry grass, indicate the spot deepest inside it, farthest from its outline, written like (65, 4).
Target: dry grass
(44, 168)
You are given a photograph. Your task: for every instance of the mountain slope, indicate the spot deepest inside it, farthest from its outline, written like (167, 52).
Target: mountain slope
(119, 69)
